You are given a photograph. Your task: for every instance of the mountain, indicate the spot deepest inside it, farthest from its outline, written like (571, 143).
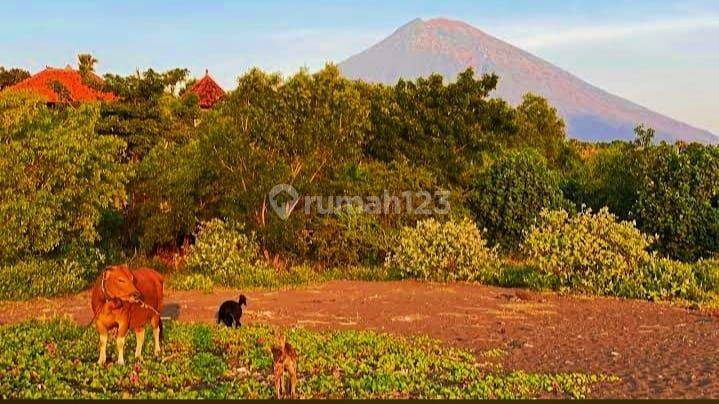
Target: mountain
(448, 47)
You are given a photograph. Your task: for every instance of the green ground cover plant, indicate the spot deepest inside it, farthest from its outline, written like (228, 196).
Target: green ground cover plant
(56, 359)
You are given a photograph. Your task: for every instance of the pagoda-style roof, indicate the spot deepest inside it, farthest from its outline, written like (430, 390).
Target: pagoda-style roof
(44, 84)
(208, 91)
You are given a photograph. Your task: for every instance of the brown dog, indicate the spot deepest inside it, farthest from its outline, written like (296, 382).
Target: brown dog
(285, 358)
(124, 300)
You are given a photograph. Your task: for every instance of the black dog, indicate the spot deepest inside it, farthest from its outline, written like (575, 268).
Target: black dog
(231, 311)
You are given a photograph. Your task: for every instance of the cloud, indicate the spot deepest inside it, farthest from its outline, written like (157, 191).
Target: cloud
(553, 37)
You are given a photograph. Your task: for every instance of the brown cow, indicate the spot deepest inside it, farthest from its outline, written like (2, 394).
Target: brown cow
(124, 300)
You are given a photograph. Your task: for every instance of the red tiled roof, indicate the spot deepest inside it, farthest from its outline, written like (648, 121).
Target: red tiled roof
(209, 92)
(42, 84)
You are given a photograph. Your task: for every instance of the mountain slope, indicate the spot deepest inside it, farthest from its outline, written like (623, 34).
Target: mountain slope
(448, 47)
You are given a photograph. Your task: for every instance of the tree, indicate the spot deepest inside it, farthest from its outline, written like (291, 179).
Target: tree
(56, 176)
(146, 115)
(678, 199)
(610, 178)
(174, 77)
(86, 64)
(645, 136)
(12, 76)
(269, 131)
(507, 198)
(307, 126)
(447, 128)
(539, 126)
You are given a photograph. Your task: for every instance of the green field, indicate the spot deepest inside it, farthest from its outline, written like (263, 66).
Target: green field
(56, 359)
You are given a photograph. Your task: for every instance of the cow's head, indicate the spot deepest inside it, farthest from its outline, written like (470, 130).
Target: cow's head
(120, 283)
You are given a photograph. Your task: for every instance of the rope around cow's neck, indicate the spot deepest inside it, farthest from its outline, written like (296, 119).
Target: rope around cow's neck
(108, 296)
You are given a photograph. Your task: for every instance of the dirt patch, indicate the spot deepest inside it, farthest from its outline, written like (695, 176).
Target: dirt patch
(659, 351)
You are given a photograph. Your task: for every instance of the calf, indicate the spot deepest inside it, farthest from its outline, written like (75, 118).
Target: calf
(284, 357)
(123, 300)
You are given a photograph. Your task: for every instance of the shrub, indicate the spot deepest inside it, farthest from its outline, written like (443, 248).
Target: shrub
(39, 277)
(224, 254)
(454, 250)
(663, 279)
(707, 274)
(590, 252)
(349, 237)
(608, 178)
(182, 281)
(264, 276)
(507, 198)
(521, 275)
(362, 273)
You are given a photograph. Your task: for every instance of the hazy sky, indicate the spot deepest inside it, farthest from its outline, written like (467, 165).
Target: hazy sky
(662, 54)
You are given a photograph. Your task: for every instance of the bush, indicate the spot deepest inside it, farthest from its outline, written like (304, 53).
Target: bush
(362, 273)
(664, 279)
(224, 254)
(182, 281)
(607, 178)
(38, 277)
(349, 237)
(507, 198)
(593, 253)
(707, 275)
(264, 276)
(453, 250)
(521, 275)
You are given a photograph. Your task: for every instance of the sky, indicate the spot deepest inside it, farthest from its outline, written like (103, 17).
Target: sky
(663, 54)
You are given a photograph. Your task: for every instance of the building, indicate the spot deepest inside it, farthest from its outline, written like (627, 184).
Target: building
(63, 85)
(208, 91)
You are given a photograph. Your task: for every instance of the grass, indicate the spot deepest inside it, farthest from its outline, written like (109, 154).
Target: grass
(56, 359)
(269, 278)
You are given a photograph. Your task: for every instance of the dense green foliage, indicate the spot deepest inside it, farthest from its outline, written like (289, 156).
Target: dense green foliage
(57, 360)
(139, 176)
(148, 114)
(449, 251)
(57, 177)
(540, 126)
(225, 256)
(506, 198)
(678, 199)
(48, 277)
(589, 252)
(670, 190)
(596, 253)
(221, 251)
(9, 77)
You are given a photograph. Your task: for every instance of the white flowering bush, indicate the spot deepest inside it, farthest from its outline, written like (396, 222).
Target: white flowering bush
(591, 252)
(453, 250)
(224, 253)
(665, 279)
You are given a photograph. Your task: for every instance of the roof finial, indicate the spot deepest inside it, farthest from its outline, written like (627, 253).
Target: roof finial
(207, 72)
